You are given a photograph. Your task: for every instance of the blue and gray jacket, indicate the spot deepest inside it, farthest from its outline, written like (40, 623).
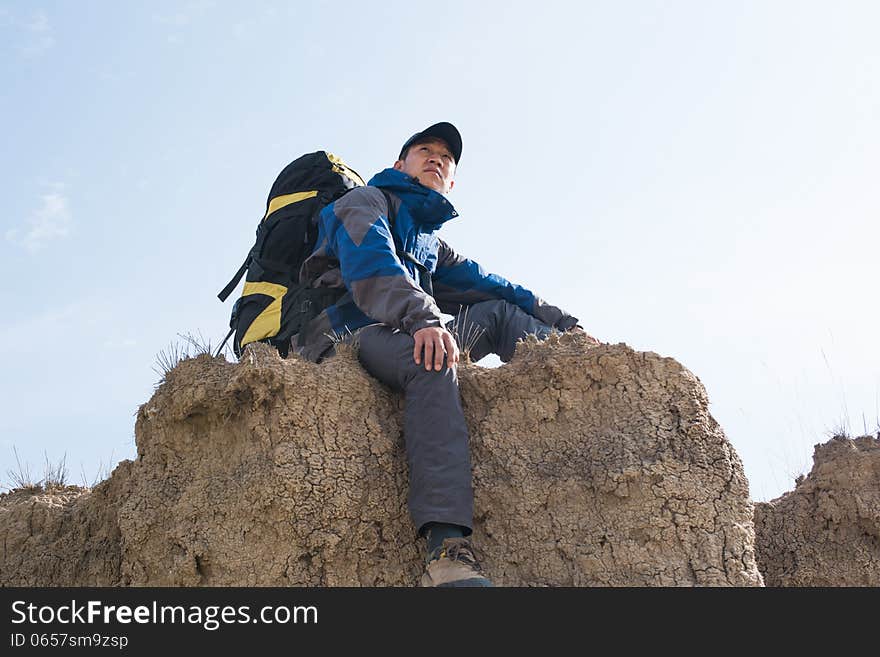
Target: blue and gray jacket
(384, 267)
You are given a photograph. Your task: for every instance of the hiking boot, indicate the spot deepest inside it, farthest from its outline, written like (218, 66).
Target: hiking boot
(454, 565)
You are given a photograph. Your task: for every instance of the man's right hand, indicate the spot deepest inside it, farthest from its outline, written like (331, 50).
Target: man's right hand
(436, 343)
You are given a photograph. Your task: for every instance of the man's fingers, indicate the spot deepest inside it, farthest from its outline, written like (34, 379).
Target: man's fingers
(580, 329)
(429, 353)
(439, 353)
(417, 349)
(451, 349)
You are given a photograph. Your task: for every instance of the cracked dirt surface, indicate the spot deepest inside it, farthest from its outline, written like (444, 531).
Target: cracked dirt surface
(593, 466)
(826, 532)
(63, 536)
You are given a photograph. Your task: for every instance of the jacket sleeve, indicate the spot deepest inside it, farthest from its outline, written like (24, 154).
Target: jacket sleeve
(459, 281)
(355, 231)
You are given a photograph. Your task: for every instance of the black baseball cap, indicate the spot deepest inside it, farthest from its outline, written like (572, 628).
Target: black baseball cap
(445, 131)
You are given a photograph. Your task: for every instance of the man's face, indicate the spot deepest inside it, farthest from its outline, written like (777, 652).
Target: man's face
(431, 163)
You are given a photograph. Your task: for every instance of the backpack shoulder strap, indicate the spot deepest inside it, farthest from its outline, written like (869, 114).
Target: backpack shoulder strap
(226, 291)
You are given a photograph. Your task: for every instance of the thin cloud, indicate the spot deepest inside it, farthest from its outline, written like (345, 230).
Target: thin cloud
(38, 35)
(179, 22)
(69, 315)
(50, 221)
(186, 14)
(253, 25)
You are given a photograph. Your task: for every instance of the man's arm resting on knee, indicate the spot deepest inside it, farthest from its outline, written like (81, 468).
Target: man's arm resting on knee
(463, 281)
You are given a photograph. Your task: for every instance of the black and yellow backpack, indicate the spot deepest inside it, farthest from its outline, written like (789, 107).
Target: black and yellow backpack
(273, 305)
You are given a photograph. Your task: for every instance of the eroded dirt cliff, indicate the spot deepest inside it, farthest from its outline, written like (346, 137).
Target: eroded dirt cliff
(826, 532)
(593, 465)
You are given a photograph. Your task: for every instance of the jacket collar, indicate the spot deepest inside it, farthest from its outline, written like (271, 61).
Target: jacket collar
(429, 208)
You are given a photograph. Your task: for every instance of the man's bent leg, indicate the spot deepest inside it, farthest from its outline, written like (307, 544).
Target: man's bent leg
(434, 429)
(499, 325)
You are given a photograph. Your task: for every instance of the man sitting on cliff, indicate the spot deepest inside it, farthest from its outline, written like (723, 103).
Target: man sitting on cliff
(380, 243)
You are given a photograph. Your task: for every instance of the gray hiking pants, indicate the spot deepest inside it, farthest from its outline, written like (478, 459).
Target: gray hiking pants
(434, 427)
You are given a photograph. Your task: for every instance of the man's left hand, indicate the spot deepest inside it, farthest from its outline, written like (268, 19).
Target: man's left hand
(580, 329)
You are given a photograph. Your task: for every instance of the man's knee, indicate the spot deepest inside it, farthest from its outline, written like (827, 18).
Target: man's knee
(494, 326)
(494, 306)
(498, 316)
(487, 315)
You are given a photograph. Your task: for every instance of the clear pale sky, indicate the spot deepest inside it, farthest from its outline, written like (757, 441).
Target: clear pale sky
(697, 179)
